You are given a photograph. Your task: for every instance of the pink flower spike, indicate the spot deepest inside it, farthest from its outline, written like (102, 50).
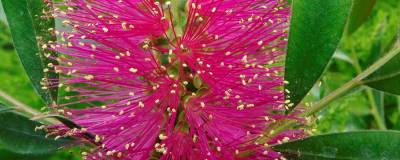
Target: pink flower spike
(148, 85)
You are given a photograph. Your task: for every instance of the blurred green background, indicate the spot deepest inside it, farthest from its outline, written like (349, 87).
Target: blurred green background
(357, 51)
(350, 112)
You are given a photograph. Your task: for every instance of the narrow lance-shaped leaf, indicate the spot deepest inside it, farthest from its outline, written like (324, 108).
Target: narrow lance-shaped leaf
(8, 155)
(18, 134)
(351, 145)
(360, 11)
(315, 30)
(29, 31)
(387, 77)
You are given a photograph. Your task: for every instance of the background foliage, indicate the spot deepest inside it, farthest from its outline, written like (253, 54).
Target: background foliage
(350, 113)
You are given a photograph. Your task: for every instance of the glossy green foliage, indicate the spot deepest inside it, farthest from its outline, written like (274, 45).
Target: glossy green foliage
(387, 78)
(341, 146)
(18, 134)
(360, 11)
(315, 30)
(29, 33)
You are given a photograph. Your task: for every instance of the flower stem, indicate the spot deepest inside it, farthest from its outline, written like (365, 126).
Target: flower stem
(19, 105)
(371, 98)
(323, 103)
(351, 84)
(335, 94)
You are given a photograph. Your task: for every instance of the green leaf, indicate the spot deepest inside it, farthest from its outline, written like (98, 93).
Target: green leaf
(351, 145)
(28, 29)
(5, 154)
(315, 30)
(17, 134)
(387, 77)
(360, 11)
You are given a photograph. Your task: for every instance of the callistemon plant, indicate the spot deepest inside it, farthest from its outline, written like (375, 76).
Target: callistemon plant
(198, 79)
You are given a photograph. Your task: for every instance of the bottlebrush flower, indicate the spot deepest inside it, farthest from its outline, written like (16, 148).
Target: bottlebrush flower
(156, 89)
